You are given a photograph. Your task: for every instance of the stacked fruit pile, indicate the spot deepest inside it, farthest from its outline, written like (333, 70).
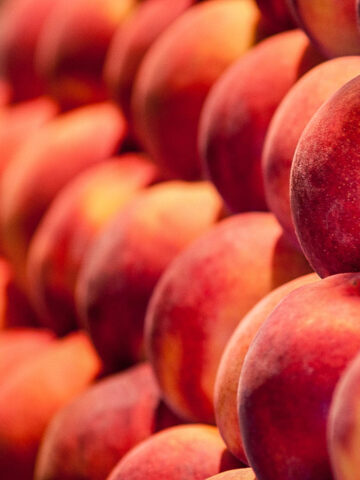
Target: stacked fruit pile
(179, 240)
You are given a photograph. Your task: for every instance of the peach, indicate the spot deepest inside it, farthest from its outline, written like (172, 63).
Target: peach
(18, 346)
(289, 375)
(15, 308)
(100, 427)
(193, 452)
(202, 297)
(277, 12)
(343, 424)
(177, 73)
(131, 42)
(73, 45)
(324, 184)
(228, 374)
(18, 122)
(125, 262)
(287, 124)
(330, 24)
(21, 22)
(78, 213)
(34, 393)
(53, 156)
(238, 474)
(237, 113)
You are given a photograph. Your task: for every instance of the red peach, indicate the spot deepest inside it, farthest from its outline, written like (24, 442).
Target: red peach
(237, 113)
(324, 184)
(287, 124)
(193, 452)
(21, 22)
(18, 122)
(100, 426)
(202, 297)
(131, 42)
(34, 393)
(177, 73)
(72, 48)
(228, 374)
(126, 261)
(330, 24)
(68, 228)
(289, 375)
(61, 149)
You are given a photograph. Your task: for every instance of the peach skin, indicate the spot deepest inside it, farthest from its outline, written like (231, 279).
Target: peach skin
(331, 25)
(78, 213)
(228, 374)
(101, 425)
(324, 191)
(61, 149)
(287, 125)
(237, 113)
(21, 22)
(19, 122)
(34, 393)
(193, 452)
(129, 256)
(72, 48)
(201, 298)
(177, 73)
(131, 42)
(289, 375)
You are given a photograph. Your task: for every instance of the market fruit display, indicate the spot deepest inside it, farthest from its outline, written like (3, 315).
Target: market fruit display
(179, 241)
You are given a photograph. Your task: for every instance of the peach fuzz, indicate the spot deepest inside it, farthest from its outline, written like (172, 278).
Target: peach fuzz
(287, 124)
(54, 155)
(100, 426)
(21, 22)
(127, 259)
(277, 12)
(330, 24)
(238, 474)
(34, 393)
(289, 375)
(72, 48)
(188, 323)
(18, 346)
(238, 110)
(343, 430)
(69, 226)
(177, 73)
(228, 374)
(131, 42)
(324, 191)
(193, 452)
(18, 122)
(15, 308)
